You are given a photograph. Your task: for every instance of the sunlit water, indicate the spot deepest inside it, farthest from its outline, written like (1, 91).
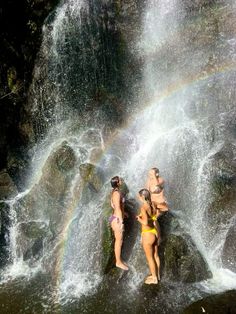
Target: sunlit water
(172, 131)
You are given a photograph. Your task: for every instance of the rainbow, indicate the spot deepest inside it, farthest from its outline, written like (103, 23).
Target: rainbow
(165, 94)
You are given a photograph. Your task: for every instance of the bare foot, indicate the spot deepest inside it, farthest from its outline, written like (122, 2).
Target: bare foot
(151, 280)
(122, 266)
(148, 277)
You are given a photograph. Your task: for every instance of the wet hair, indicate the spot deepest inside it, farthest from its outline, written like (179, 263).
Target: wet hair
(114, 182)
(156, 170)
(147, 196)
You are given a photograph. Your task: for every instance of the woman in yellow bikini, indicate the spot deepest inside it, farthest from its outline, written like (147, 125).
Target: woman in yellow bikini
(155, 185)
(149, 236)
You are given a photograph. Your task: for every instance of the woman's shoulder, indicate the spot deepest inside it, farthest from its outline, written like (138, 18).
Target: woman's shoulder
(144, 207)
(115, 193)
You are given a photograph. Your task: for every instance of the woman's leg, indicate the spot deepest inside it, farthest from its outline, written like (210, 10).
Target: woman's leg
(148, 240)
(157, 226)
(118, 233)
(157, 260)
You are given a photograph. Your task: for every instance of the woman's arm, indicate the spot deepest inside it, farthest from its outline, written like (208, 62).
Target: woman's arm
(142, 217)
(161, 182)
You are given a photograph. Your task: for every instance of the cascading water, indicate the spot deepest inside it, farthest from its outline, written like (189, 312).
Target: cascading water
(183, 126)
(176, 125)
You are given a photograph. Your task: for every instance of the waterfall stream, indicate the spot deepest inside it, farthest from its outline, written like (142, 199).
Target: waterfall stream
(182, 125)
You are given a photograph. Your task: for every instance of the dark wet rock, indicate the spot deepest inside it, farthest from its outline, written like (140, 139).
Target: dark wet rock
(34, 229)
(92, 176)
(4, 233)
(222, 169)
(7, 186)
(229, 249)
(34, 252)
(182, 260)
(17, 168)
(169, 224)
(31, 239)
(219, 303)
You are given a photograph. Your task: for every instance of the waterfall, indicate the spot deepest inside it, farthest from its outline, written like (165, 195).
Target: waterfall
(183, 128)
(183, 124)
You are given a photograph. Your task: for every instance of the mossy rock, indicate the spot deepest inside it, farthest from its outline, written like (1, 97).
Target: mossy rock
(92, 176)
(108, 257)
(182, 261)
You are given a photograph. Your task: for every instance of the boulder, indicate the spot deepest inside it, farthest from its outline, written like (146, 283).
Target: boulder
(7, 187)
(224, 302)
(55, 173)
(229, 249)
(182, 261)
(45, 201)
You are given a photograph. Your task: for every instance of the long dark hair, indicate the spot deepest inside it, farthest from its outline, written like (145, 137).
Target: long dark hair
(147, 196)
(156, 170)
(115, 182)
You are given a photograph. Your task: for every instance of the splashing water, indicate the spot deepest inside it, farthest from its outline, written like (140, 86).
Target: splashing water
(180, 128)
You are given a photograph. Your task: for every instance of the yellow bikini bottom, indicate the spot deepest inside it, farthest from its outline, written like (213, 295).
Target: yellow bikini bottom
(153, 230)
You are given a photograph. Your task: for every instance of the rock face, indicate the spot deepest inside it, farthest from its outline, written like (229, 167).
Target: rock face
(7, 187)
(21, 25)
(221, 211)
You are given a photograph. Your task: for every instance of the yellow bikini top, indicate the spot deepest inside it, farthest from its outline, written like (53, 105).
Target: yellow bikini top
(154, 217)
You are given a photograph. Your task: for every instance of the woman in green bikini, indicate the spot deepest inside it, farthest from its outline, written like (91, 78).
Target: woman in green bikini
(149, 236)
